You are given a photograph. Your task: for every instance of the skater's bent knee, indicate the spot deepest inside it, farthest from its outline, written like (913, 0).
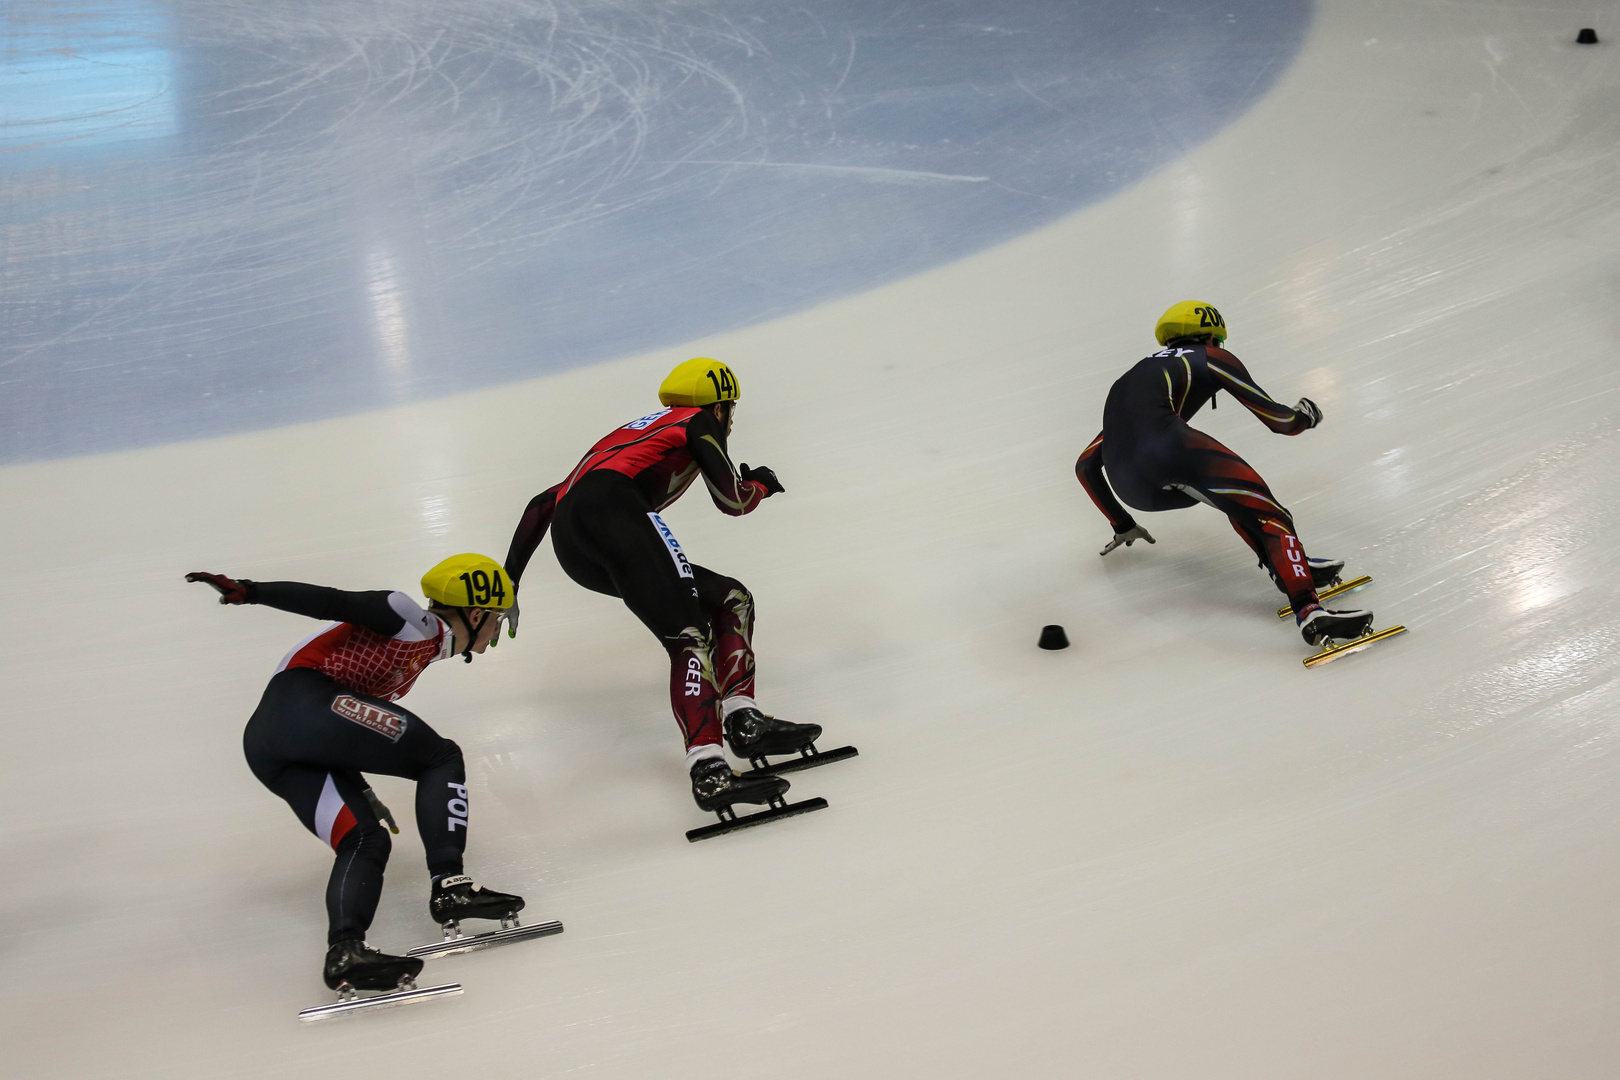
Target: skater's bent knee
(447, 753)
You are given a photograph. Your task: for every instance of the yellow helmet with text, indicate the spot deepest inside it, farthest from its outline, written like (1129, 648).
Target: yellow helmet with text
(464, 581)
(699, 382)
(1190, 318)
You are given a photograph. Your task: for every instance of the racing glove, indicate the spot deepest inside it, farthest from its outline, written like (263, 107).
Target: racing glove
(230, 590)
(1309, 410)
(773, 486)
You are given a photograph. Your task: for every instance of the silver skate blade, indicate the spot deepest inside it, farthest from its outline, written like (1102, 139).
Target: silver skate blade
(472, 942)
(381, 1001)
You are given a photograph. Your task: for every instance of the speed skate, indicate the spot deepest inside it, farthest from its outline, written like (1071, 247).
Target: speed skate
(408, 993)
(1332, 651)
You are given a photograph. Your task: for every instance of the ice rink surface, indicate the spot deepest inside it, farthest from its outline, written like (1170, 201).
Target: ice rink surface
(1169, 851)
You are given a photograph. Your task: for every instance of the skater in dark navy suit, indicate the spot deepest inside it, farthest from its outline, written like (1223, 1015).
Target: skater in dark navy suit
(328, 716)
(1154, 460)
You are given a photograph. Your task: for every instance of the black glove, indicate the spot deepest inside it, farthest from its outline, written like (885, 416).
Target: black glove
(773, 486)
(1309, 410)
(231, 591)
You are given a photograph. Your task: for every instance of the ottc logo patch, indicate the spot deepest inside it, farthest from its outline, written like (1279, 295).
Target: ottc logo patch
(375, 717)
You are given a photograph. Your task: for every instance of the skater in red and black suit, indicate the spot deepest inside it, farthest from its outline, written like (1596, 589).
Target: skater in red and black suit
(609, 537)
(328, 716)
(1155, 461)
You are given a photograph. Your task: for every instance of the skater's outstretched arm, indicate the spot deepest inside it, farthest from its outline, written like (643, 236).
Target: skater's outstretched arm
(1235, 379)
(383, 611)
(531, 529)
(706, 439)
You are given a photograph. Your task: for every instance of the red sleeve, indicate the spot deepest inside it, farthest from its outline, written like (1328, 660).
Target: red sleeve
(1090, 471)
(1231, 376)
(531, 529)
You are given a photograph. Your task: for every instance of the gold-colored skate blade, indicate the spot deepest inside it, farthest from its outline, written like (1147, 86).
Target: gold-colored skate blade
(346, 1006)
(1329, 593)
(1333, 652)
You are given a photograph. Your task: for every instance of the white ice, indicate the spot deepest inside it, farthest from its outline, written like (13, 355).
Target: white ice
(1169, 851)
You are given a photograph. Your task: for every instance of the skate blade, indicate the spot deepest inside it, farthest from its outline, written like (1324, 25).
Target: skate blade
(1333, 652)
(748, 821)
(381, 1001)
(473, 942)
(1327, 594)
(803, 761)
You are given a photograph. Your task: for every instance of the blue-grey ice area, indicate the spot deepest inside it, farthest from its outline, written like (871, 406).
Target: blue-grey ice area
(218, 216)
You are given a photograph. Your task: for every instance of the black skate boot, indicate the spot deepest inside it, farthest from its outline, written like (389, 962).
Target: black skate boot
(1321, 625)
(715, 786)
(354, 965)
(751, 734)
(456, 898)
(1324, 574)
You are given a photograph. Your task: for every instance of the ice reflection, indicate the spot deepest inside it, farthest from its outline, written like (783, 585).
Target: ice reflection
(104, 77)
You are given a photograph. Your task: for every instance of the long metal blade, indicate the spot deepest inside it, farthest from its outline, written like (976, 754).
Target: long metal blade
(472, 942)
(749, 820)
(1333, 652)
(381, 1001)
(820, 757)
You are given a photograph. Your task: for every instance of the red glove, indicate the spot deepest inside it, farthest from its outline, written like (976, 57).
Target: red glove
(230, 590)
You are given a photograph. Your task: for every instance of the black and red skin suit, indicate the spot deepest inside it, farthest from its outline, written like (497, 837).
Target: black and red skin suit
(1155, 461)
(608, 537)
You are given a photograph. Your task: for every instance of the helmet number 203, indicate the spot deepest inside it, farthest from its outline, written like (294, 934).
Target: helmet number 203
(481, 590)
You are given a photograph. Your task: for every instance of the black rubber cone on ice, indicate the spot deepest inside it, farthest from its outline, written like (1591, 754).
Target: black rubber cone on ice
(1053, 637)
(1587, 36)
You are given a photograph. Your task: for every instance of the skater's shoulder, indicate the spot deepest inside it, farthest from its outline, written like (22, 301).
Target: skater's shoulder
(419, 623)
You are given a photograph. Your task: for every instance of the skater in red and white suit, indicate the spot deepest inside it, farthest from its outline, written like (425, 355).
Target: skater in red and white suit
(329, 715)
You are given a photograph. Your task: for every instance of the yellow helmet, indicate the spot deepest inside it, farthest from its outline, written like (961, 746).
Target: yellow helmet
(699, 381)
(468, 581)
(1190, 318)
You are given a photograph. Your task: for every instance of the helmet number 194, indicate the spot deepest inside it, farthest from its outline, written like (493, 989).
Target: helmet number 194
(481, 590)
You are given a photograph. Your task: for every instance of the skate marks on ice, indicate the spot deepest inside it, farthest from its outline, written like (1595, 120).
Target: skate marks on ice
(350, 1002)
(362, 202)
